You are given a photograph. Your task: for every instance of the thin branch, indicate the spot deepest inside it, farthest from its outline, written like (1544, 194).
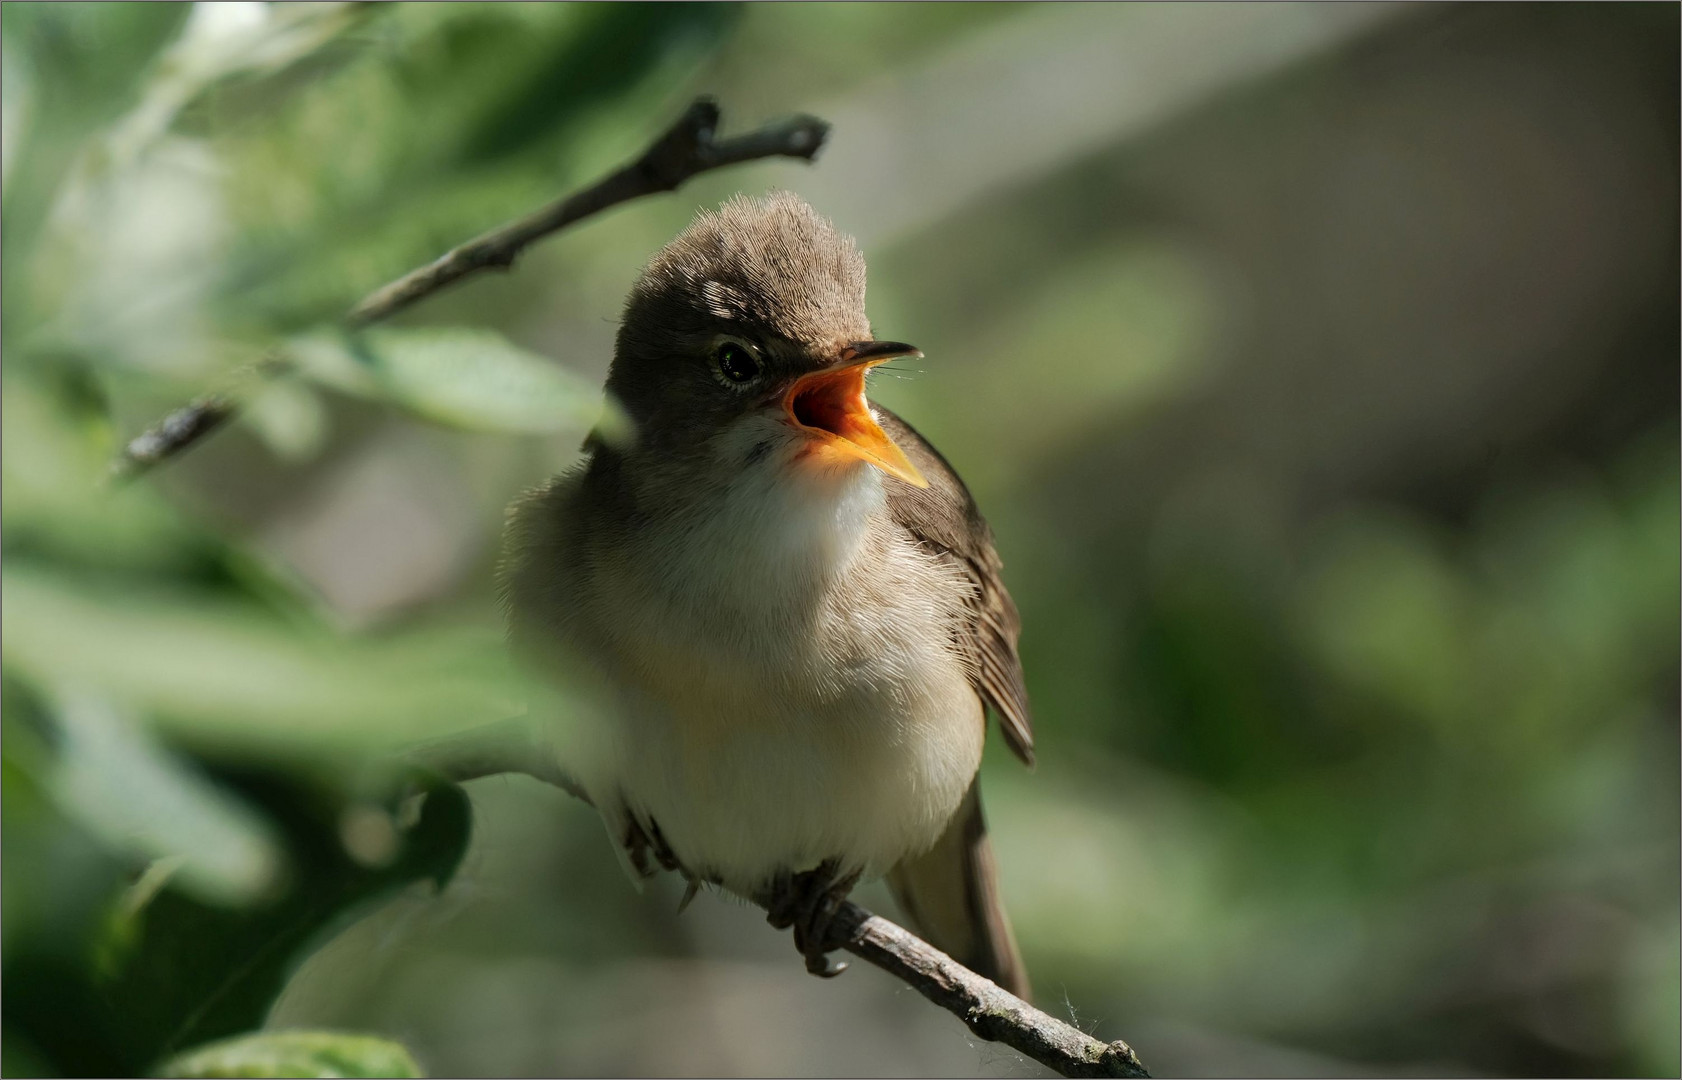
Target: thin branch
(195, 420)
(174, 433)
(993, 1013)
(688, 149)
(989, 1010)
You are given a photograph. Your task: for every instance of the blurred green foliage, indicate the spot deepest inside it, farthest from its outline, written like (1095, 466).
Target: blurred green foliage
(1384, 773)
(296, 1053)
(195, 792)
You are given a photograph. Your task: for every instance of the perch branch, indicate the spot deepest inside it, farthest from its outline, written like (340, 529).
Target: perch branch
(688, 149)
(989, 1010)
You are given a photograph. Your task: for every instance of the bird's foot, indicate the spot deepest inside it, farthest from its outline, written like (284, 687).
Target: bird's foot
(808, 902)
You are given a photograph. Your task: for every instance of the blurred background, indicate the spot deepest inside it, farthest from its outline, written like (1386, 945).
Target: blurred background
(1317, 368)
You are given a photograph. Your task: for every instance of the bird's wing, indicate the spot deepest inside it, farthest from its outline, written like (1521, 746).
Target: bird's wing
(944, 518)
(951, 895)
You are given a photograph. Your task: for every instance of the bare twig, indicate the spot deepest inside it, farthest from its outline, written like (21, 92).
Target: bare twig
(196, 419)
(174, 433)
(688, 149)
(989, 1010)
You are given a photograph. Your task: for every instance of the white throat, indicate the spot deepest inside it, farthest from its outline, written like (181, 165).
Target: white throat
(761, 530)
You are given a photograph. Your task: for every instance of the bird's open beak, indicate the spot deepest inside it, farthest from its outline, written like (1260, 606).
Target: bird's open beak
(829, 405)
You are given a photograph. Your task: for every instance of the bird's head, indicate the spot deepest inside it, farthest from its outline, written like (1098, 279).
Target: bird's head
(745, 342)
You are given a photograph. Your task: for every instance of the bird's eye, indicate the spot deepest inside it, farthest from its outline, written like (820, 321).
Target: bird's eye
(735, 364)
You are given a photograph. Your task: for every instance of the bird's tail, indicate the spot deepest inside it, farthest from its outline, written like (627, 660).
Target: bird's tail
(951, 894)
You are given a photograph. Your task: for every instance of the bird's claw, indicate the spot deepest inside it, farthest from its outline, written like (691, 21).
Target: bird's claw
(824, 966)
(808, 902)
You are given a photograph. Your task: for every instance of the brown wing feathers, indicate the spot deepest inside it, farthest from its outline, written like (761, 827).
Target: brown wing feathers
(944, 517)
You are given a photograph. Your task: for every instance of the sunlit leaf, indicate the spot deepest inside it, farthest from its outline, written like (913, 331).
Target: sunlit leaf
(289, 417)
(296, 1053)
(140, 798)
(84, 61)
(473, 379)
(218, 41)
(231, 675)
(136, 227)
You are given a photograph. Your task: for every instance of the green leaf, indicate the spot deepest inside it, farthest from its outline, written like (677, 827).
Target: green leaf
(174, 972)
(296, 1053)
(202, 972)
(473, 379)
(138, 797)
(59, 883)
(232, 676)
(610, 50)
(162, 970)
(54, 495)
(217, 42)
(289, 418)
(84, 65)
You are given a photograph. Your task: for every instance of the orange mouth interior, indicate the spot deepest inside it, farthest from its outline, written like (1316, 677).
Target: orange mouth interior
(830, 406)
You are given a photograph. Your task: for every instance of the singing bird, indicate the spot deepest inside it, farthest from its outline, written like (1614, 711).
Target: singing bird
(786, 599)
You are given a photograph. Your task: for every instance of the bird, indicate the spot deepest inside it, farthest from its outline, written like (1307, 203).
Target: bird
(781, 600)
